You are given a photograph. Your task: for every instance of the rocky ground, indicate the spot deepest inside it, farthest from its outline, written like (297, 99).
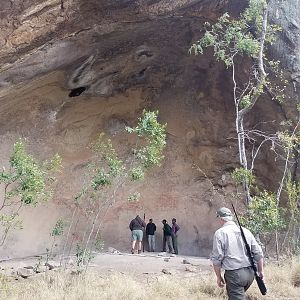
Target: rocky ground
(143, 266)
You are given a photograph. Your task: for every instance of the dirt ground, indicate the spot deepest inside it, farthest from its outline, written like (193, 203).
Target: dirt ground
(149, 263)
(141, 266)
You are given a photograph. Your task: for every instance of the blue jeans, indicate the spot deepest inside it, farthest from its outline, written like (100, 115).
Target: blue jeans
(151, 243)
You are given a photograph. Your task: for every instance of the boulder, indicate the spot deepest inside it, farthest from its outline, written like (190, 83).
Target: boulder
(24, 272)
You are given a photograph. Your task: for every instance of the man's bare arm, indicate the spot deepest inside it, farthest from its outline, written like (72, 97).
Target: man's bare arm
(220, 280)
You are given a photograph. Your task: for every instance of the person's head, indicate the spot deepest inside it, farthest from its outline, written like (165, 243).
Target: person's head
(173, 221)
(150, 220)
(224, 214)
(164, 221)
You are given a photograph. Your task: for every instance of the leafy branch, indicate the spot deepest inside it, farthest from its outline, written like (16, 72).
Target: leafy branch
(27, 182)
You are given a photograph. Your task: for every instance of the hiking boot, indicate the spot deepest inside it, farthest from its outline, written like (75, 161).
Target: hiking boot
(132, 251)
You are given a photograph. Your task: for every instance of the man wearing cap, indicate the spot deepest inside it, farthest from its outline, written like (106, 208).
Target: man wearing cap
(229, 253)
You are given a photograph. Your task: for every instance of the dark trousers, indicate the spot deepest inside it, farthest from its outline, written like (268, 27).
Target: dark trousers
(175, 245)
(167, 240)
(237, 282)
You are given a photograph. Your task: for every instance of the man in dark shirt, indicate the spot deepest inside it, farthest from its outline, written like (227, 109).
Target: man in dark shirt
(136, 226)
(167, 230)
(150, 231)
(175, 229)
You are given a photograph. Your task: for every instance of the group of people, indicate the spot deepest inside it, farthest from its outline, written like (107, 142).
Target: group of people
(229, 250)
(137, 226)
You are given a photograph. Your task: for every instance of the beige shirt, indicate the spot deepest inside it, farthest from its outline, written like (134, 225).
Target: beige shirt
(229, 251)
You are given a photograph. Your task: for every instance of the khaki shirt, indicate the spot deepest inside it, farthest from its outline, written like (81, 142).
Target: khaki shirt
(229, 251)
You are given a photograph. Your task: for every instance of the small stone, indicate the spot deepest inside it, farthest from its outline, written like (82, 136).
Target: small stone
(51, 264)
(167, 259)
(190, 269)
(166, 272)
(25, 273)
(41, 269)
(186, 262)
(113, 250)
(29, 267)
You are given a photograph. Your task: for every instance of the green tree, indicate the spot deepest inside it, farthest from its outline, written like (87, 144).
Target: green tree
(57, 231)
(232, 41)
(242, 44)
(26, 183)
(292, 236)
(263, 215)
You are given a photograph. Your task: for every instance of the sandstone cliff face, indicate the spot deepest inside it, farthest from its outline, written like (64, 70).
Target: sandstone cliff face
(126, 56)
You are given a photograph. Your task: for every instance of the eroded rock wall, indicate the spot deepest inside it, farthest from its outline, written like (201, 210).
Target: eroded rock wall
(127, 56)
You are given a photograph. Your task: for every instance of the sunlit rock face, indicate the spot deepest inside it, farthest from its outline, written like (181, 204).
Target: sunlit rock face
(287, 49)
(72, 69)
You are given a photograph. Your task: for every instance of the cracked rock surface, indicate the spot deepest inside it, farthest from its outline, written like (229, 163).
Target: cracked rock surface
(73, 68)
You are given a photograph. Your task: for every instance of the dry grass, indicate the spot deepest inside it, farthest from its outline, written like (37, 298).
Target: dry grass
(283, 283)
(59, 286)
(296, 275)
(280, 281)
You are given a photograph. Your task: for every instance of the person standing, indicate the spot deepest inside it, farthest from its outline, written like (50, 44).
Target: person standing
(229, 253)
(150, 232)
(136, 226)
(167, 239)
(175, 229)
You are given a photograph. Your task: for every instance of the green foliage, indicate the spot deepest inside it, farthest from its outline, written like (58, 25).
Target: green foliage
(276, 82)
(154, 133)
(228, 38)
(106, 165)
(30, 175)
(253, 14)
(99, 244)
(28, 178)
(263, 215)
(8, 221)
(245, 101)
(293, 191)
(107, 173)
(137, 173)
(83, 257)
(135, 197)
(101, 179)
(242, 37)
(58, 228)
(27, 182)
(241, 175)
(287, 140)
(107, 168)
